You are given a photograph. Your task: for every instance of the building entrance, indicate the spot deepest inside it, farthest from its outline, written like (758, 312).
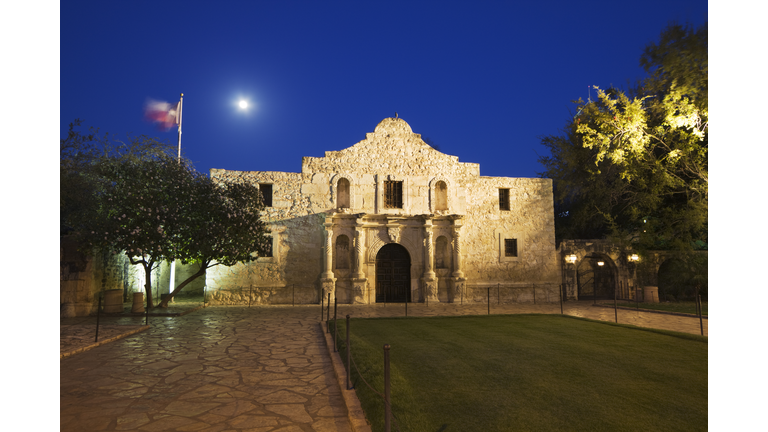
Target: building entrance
(393, 274)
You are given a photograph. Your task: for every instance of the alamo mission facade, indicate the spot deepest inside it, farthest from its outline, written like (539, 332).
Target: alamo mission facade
(391, 219)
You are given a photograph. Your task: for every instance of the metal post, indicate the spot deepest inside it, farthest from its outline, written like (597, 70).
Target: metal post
(498, 293)
(335, 332)
(562, 286)
(335, 304)
(615, 305)
(701, 321)
(406, 306)
(637, 300)
(489, 300)
(387, 399)
(204, 292)
(349, 356)
(328, 315)
(293, 302)
(146, 321)
(322, 307)
(534, 294)
(250, 294)
(98, 315)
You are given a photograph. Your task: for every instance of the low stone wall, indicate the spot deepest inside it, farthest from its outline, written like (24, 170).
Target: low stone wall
(512, 293)
(276, 295)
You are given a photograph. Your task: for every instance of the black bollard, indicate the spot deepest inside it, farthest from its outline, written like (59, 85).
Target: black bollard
(562, 287)
(98, 315)
(701, 321)
(335, 333)
(387, 399)
(349, 356)
(489, 300)
(322, 307)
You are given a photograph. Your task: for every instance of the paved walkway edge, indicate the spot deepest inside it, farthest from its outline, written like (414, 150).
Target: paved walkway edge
(104, 341)
(655, 311)
(354, 410)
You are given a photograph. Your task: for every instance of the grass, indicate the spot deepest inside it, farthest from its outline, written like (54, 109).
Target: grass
(680, 307)
(529, 372)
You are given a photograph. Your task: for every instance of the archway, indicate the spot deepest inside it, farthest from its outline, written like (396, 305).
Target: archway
(393, 274)
(596, 281)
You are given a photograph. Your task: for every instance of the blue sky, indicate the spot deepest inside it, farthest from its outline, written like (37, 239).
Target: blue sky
(482, 80)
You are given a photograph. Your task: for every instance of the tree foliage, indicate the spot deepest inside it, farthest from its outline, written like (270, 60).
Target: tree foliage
(633, 165)
(139, 200)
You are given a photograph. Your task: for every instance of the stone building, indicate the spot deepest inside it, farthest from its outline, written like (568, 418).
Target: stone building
(390, 219)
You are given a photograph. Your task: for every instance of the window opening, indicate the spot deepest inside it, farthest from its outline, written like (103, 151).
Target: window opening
(266, 194)
(503, 199)
(393, 197)
(268, 248)
(510, 247)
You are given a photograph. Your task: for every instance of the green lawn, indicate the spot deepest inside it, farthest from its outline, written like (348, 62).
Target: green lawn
(529, 372)
(681, 307)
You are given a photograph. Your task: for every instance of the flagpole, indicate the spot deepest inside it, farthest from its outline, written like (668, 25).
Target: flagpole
(181, 103)
(172, 280)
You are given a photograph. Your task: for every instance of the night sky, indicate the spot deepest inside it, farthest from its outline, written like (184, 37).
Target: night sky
(482, 80)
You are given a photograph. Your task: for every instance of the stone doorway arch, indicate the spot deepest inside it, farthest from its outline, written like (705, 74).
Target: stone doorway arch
(596, 281)
(393, 274)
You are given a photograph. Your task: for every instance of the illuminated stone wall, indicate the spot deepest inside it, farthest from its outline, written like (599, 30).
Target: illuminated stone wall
(83, 276)
(306, 216)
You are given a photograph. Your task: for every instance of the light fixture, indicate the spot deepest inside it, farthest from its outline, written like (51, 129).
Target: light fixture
(600, 263)
(570, 259)
(633, 258)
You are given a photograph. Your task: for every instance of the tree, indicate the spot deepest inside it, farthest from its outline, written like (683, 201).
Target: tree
(139, 200)
(633, 166)
(224, 226)
(140, 205)
(81, 153)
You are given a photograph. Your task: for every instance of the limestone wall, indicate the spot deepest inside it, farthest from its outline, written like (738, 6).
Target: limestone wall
(301, 202)
(82, 276)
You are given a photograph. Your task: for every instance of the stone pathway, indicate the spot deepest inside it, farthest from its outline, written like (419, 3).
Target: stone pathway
(246, 369)
(217, 369)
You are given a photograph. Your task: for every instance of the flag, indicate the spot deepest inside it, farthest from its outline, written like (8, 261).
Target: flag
(163, 113)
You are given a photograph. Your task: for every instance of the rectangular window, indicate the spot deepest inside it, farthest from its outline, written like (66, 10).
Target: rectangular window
(266, 194)
(503, 199)
(510, 247)
(393, 194)
(268, 251)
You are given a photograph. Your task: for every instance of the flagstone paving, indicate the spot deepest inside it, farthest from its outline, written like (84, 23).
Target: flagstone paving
(246, 369)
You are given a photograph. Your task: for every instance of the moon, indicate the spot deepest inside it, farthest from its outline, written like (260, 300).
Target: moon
(243, 104)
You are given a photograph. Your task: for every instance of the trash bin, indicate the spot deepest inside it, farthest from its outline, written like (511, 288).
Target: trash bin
(113, 301)
(138, 302)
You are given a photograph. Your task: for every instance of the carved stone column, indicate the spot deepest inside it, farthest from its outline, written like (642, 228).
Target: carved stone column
(358, 279)
(457, 252)
(327, 281)
(459, 282)
(429, 280)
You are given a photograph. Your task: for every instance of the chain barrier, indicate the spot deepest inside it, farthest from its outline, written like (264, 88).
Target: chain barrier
(360, 375)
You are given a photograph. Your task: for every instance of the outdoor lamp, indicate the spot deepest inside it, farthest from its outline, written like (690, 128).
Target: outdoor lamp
(600, 263)
(634, 258)
(570, 259)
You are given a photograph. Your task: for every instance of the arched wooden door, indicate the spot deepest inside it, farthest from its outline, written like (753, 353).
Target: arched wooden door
(393, 274)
